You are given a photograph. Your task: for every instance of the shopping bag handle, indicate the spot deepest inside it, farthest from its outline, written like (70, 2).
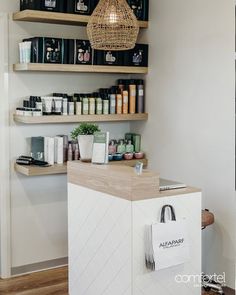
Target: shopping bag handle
(163, 211)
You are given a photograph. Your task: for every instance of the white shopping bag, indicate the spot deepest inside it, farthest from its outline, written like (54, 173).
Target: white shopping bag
(169, 240)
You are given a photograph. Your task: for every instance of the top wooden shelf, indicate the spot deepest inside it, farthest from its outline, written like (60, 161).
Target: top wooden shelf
(40, 67)
(57, 18)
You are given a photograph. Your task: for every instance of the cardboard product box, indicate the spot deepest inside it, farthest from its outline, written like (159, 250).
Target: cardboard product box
(52, 5)
(137, 57)
(140, 8)
(80, 52)
(49, 50)
(37, 148)
(80, 6)
(108, 58)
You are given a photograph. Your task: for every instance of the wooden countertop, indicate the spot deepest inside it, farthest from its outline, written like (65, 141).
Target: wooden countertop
(120, 181)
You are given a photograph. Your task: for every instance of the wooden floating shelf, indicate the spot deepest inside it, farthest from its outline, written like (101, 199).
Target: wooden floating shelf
(62, 169)
(57, 18)
(79, 119)
(40, 171)
(40, 67)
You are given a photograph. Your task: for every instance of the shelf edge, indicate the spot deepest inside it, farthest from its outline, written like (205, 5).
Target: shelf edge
(58, 18)
(79, 119)
(31, 171)
(40, 67)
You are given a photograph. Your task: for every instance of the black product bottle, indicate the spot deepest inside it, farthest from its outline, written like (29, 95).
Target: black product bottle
(140, 105)
(121, 84)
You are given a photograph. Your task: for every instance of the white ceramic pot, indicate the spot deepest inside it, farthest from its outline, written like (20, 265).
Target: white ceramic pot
(86, 147)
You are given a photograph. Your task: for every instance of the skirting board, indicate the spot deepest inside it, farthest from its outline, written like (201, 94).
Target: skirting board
(20, 270)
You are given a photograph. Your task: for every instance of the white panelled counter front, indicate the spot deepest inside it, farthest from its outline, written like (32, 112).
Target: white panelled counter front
(109, 208)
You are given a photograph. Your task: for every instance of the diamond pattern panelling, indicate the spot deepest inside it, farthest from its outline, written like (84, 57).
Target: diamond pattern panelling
(100, 243)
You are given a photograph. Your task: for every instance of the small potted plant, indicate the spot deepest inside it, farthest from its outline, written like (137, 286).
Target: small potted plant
(85, 135)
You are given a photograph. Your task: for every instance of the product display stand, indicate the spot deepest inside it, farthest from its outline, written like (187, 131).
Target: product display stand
(108, 209)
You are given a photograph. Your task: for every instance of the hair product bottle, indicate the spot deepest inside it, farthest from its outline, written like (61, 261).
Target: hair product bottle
(91, 105)
(119, 103)
(78, 105)
(132, 97)
(70, 153)
(105, 104)
(85, 105)
(71, 106)
(125, 103)
(98, 104)
(140, 104)
(76, 152)
(112, 96)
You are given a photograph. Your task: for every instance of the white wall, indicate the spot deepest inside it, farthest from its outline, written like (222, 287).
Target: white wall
(39, 204)
(190, 133)
(4, 155)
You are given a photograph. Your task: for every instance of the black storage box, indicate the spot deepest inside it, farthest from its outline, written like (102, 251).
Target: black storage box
(44, 5)
(52, 5)
(80, 52)
(140, 8)
(137, 57)
(48, 50)
(108, 58)
(80, 6)
(30, 4)
(94, 4)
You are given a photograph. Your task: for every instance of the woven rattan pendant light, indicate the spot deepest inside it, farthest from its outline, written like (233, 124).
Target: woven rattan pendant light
(113, 26)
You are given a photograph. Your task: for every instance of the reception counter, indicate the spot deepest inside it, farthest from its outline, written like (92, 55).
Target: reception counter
(108, 209)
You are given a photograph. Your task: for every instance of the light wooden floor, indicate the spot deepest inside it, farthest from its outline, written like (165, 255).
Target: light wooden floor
(52, 282)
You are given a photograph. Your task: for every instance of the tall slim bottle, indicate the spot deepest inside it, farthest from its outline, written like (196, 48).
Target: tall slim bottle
(140, 102)
(132, 97)
(125, 103)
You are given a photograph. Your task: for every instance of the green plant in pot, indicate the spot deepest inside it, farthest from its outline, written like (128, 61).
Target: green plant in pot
(85, 135)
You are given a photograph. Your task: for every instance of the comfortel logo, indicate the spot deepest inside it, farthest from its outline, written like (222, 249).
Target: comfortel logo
(171, 244)
(199, 280)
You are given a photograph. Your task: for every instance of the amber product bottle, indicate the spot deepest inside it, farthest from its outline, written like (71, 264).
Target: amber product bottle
(132, 97)
(119, 103)
(140, 99)
(125, 103)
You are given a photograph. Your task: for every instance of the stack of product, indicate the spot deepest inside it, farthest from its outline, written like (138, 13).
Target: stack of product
(127, 148)
(54, 150)
(69, 51)
(125, 98)
(86, 7)
(58, 149)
